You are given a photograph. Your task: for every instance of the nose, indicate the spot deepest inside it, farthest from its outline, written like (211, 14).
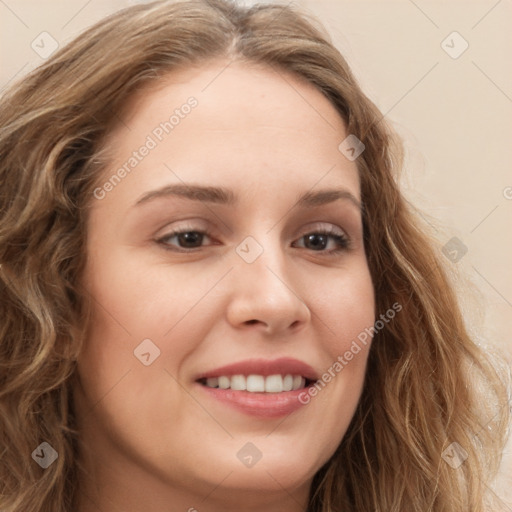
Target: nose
(263, 296)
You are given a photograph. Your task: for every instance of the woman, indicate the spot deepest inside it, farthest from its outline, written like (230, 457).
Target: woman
(214, 295)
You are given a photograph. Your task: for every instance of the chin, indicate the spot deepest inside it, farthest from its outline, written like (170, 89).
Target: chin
(265, 465)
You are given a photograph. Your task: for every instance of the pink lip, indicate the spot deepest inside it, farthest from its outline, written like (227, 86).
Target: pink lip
(266, 405)
(265, 367)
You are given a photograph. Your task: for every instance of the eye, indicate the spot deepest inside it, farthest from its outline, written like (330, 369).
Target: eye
(318, 241)
(188, 239)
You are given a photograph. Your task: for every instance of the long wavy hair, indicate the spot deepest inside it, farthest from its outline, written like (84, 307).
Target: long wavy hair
(428, 384)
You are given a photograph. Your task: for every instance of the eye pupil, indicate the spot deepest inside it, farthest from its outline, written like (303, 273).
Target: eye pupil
(190, 237)
(316, 241)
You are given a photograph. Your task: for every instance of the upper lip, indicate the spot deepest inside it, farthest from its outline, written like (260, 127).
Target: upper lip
(265, 367)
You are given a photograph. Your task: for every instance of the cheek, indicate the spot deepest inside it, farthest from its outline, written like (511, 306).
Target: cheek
(345, 309)
(142, 298)
(134, 302)
(346, 306)
(139, 300)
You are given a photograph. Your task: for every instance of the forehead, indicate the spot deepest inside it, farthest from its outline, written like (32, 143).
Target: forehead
(240, 85)
(253, 126)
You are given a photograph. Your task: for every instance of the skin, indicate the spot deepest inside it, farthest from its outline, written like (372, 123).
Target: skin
(151, 438)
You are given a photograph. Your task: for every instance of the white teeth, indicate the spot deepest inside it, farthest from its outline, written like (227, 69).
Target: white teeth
(288, 383)
(274, 384)
(298, 382)
(224, 382)
(255, 383)
(238, 382)
(258, 383)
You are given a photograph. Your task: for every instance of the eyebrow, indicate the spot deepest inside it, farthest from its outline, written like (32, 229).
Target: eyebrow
(225, 196)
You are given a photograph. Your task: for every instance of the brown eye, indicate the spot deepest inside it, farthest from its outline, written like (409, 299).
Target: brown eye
(183, 239)
(318, 241)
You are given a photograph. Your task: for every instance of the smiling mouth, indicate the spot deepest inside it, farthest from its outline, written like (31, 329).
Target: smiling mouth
(258, 383)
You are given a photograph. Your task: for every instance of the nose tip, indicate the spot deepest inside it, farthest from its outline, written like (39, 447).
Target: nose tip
(265, 301)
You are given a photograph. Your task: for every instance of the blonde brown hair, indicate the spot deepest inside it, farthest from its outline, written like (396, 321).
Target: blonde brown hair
(427, 383)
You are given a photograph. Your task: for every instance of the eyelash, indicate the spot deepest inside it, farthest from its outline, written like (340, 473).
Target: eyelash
(341, 239)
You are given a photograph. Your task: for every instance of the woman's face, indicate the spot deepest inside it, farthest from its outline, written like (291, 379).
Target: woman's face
(268, 279)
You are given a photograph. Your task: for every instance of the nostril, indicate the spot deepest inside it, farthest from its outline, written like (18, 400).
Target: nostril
(251, 322)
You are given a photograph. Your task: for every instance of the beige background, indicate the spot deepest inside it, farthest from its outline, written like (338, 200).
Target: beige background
(454, 114)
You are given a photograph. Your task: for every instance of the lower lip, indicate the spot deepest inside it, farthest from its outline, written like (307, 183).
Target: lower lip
(267, 405)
